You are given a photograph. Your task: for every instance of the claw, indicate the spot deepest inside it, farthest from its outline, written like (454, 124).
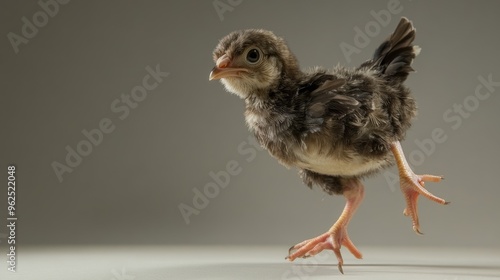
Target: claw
(417, 231)
(340, 268)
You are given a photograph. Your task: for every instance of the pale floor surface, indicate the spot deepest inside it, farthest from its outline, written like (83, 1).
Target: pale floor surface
(247, 262)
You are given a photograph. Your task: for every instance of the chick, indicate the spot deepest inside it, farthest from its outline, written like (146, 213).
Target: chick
(336, 127)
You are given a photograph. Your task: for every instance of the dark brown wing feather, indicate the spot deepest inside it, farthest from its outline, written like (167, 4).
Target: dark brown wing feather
(323, 101)
(394, 56)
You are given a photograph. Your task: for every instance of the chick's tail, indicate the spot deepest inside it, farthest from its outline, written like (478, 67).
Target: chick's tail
(393, 58)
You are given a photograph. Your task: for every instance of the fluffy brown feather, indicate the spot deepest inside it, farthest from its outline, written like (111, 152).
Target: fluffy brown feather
(330, 125)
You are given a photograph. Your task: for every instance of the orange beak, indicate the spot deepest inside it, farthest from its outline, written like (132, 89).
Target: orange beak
(222, 69)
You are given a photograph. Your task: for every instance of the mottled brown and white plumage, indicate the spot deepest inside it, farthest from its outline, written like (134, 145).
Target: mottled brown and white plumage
(334, 126)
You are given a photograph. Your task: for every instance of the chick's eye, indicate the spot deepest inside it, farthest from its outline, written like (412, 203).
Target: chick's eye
(253, 56)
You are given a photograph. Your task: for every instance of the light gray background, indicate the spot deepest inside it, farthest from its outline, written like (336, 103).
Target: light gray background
(127, 191)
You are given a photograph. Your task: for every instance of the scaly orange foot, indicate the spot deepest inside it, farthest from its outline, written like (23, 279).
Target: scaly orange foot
(412, 185)
(337, 236)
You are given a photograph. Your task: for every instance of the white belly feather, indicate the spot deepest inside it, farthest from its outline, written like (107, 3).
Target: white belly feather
(329, 165)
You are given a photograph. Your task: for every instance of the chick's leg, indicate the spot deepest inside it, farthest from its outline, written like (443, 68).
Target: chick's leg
(412, 186)
(336, 236)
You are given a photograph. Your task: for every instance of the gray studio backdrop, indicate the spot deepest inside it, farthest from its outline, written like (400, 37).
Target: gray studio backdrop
(115, 130)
